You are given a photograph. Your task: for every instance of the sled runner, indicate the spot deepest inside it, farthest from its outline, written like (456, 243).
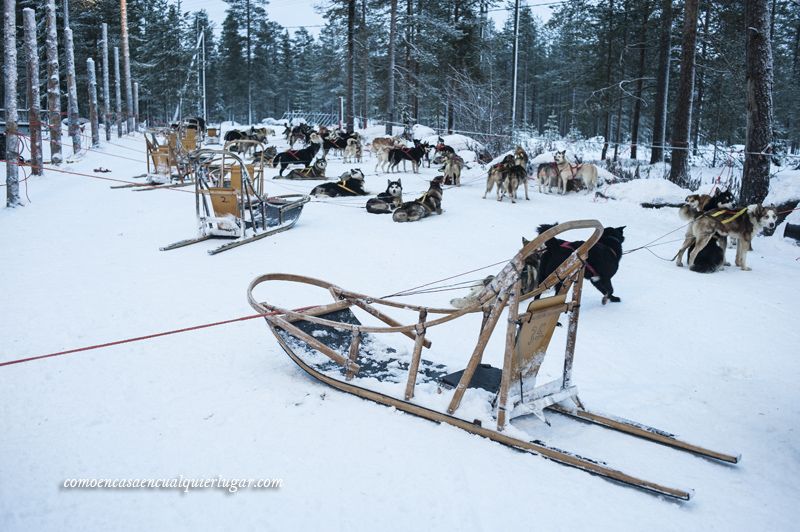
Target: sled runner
(230, 203)
(332, 344)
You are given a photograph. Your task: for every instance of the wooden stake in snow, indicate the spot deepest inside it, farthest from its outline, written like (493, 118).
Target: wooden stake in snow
(106, 92)
(117, 91)
(93, 102)
(126, 65)
(72, 93)
(35, 109)
(10, 79)
(53, 87)
(136, 105)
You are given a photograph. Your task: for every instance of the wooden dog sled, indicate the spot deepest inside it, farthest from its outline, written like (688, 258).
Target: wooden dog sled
(332, 345)
(230, 202)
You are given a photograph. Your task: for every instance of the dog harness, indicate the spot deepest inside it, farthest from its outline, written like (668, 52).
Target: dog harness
(569, 246)
(341, 184)
(732, 218)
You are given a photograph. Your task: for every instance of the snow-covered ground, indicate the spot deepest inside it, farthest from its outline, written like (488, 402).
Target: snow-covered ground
(712, 358)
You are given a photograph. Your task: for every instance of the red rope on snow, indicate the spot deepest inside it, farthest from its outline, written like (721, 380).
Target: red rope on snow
(140, 338)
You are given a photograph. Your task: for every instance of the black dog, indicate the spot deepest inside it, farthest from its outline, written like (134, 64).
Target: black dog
(415, 155)
(304, 156)
(601, 264)
(387, 201)
(350, 184)
(710, 258)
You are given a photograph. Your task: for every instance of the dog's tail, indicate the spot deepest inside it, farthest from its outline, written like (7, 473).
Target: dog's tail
(472, 297)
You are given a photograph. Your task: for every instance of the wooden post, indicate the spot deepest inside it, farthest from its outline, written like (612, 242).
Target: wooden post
(572, 329)
(106, 91)
(53, 84)
(136, 106)
(126, 64)
(413, 368)
(35, 109)
(508, 362)
(118, 91)
(93, 102)
(10, 80)
(72, 92)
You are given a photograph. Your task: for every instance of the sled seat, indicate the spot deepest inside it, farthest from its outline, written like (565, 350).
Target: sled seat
(224, 201)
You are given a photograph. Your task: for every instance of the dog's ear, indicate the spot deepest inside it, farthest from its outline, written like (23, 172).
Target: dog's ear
(399, 182)
(525, 241)
(621, 228)
(388, 181)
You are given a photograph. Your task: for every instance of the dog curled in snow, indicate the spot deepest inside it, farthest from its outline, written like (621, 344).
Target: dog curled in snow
(351, 183)
(602, 261)
(422, 207)
(568, 171)
(547, 176)
(744, 224)
(387, 201)
(453, 165)
(497, 175)
(352, 152)
(316, 171)
(697, 204)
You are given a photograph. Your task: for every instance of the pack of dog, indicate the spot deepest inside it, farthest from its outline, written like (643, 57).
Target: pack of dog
(567, 171)
(315, 171)
(302, 133)
(388, 201)
(547, 176)
(713, 221)
(508, 175)
(351, 183)
(602, 262)
(422, 207)
(303, 156)
(415, 155)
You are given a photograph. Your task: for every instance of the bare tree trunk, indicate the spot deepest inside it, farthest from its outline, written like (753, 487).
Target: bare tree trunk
(34, 102)
(92, 76)
(515, 65)
(755, 176)
(365, 62)
(697, 113)
(53, 86)
(118, 91)
(679, 169)
(607, 128)
(126, 65)
(662, 84)
(72, 92)
(106, 92)
(351, 66)
(637, 101)
(10, 79)
(249, 66)
(392, 46)
(136, 104)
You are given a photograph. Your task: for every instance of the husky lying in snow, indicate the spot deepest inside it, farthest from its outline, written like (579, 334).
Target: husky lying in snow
(387, 201)
(317, 171)
(422, 207)
(351, 183)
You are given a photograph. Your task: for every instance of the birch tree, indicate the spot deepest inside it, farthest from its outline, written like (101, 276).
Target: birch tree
(392, 46)
(662, 83)
(106, 92)
(118, 91)
(126, 64)
(35, 110)
(10, 79)
(93, 102)
(72, 92)
(53, 84)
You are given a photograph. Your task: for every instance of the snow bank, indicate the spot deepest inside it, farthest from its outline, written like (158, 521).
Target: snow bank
(455, 141)
(647, 191)
(784, 187)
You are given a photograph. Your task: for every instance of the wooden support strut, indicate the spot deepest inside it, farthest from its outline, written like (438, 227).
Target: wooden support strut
(413, 368)
(477, 354)
(511, 335)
